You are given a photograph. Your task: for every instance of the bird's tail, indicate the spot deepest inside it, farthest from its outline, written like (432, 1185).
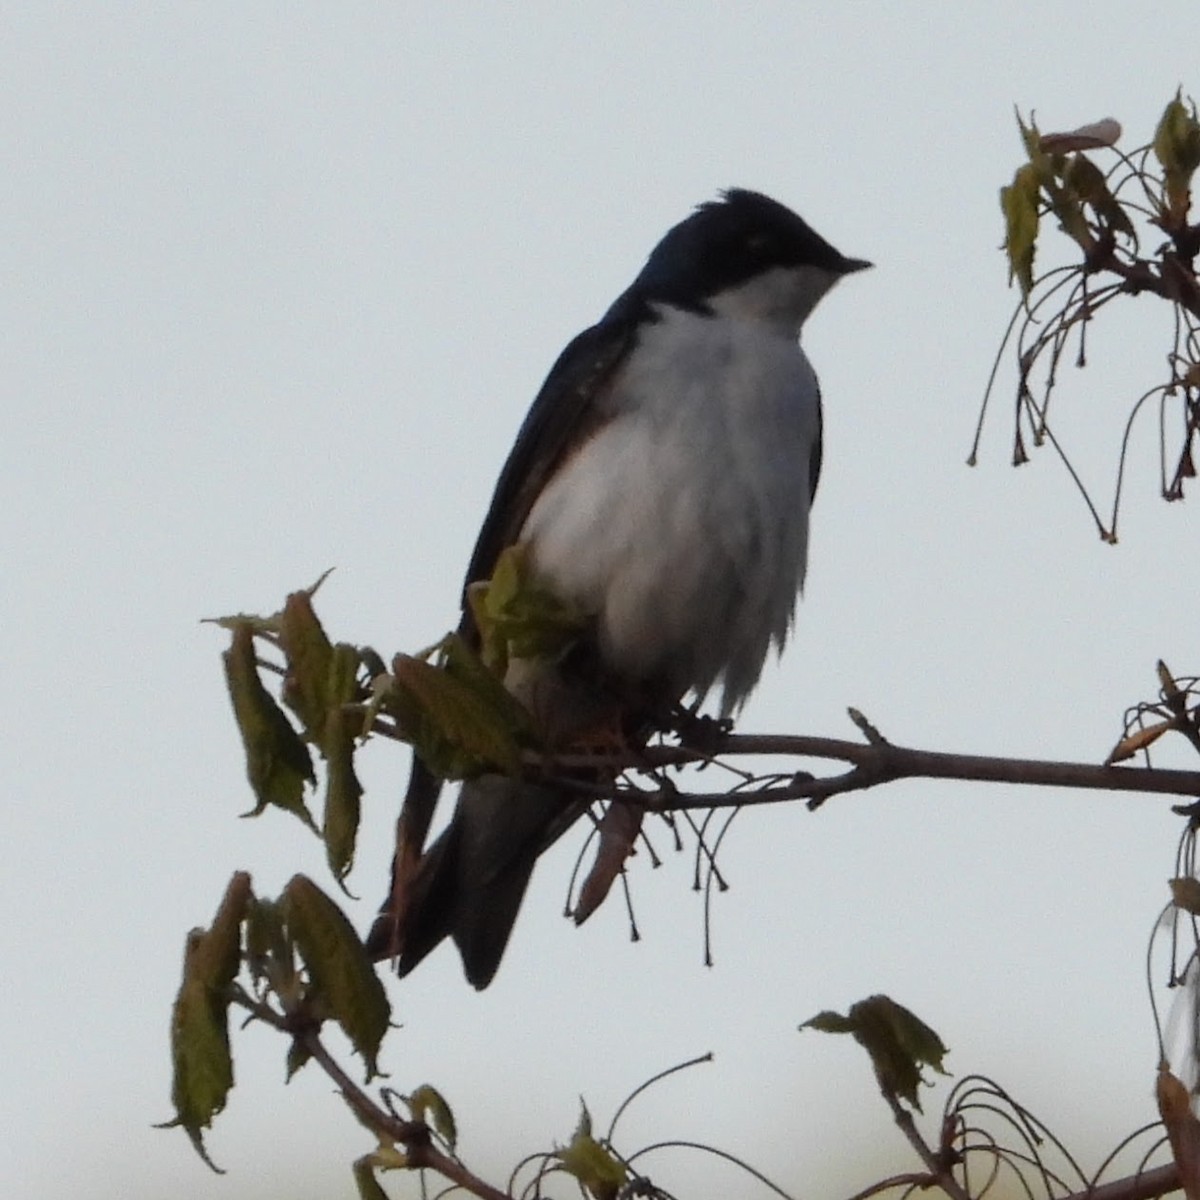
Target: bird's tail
(470, 883)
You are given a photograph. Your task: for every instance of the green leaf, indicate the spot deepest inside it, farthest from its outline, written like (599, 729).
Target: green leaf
(1089, 184)
(218, 955)
(829, 1022)
(369, 1188)
(1177, 148)
(1066, 205)
(1047, 166)
(1019, 202)
(593, 1165)
(459, 661)
(1030, 139)
(343, 792)
(489, 600)
(201, 1059)
(277, 761)
(898, 1042)
(309, 655)
(519, 618)
(429, 1105)
(202, 1063)
(454, 728)
(320, 677)
(341, 976)
(269, 956)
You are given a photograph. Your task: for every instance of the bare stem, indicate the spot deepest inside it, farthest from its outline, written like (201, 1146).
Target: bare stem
(374, 1116)
(431, 1157)
(910, 1181)
(940, 1168)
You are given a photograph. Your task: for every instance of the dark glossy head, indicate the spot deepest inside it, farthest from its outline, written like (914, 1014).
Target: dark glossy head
(727, 242)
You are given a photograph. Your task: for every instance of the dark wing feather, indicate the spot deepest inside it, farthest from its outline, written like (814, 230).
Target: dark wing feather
(814, 458)
(567, 404)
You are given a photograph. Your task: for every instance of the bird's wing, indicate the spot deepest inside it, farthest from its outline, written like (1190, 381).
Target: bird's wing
(568, 407)
(814, 457)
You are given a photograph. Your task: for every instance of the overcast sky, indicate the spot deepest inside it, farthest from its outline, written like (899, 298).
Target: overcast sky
(280, 282)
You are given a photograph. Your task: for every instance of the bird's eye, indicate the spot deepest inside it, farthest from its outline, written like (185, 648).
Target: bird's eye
(758, 243)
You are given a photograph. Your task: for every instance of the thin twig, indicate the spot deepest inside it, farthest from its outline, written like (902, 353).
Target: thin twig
(911, 1180)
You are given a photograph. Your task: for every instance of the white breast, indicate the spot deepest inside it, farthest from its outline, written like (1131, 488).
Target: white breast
(683, 524)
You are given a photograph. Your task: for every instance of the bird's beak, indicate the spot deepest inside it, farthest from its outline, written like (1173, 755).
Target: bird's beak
(850, 265)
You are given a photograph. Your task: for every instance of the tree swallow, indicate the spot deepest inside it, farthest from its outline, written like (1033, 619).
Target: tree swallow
(661, 484)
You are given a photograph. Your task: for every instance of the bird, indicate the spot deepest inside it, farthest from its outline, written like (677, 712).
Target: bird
(660, 485)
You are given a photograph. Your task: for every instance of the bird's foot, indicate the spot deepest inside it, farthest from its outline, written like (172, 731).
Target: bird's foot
(698, 731)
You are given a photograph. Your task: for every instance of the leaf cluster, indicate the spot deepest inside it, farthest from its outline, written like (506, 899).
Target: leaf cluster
(1059, 179)
(1109, 204)
(592, 1163)
(449, 702)
(516, 617)
(455, 711)
(320, 684)
(294, 963)
(1177, 148)
(1068, 185)
(899, 1043)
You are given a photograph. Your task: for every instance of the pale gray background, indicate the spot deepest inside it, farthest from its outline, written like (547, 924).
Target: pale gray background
(279, 283)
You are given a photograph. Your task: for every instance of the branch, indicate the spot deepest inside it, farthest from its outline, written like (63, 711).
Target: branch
(873, 763)
(376, 1118)
(419, 1148)
(429, 1156)
(1173, 282)
(939, 1166)
(420, 1152)
(1143, 1186)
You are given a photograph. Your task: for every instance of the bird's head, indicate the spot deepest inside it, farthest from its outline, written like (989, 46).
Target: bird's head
(747, 256)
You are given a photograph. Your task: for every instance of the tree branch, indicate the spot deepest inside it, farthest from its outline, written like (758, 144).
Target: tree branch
(873, 763)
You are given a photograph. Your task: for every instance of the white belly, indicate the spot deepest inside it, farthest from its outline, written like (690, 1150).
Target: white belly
(682, 526)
